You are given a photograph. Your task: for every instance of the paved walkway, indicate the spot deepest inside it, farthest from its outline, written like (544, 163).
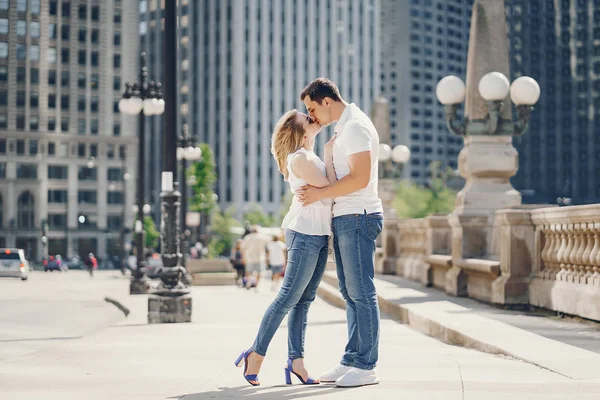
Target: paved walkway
(134, 360)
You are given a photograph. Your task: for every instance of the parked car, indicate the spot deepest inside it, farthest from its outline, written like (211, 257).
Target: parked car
(52, 263)
(13, 263)
(74, 263)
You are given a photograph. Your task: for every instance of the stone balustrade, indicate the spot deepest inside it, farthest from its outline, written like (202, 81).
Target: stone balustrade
(548, 257)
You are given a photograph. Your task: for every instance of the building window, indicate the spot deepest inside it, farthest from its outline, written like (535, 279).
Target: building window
(51, 101)
(34, 76)
(95, 13)
(3, 73)
(21, 52)
(94, 104)
(87, 197)
(95, 36)
(64, 124)
(20, 122)
(81, 150)
(117, 17)
(58, 196)
(114, 222)
(52, 55)
(116, 129)
(21, 147)
(21, 74)
(52, 31)
(95, 60)
(20, 98)
(34, 99)
(35, 7)
(51, 148)
(87, 174)
(82, 11)
(52, 77)
(34, 123)
(34, 52)
(66, 9)
(64, 102)
(57, 221)
(21, 28)
(3, 26)
(26, 171)
(95, 81)
(117, 83)
(81, 80)
(65, 32)
(94, 126)
(115, 174)
(51, 124)
(3, 50)
(81, 58)
(94, 150)
(81, 126)
(3, 98)
(81, 103)
(64, 78)
(115, 197)
(65, 55)
(22, 6)
(117, 61)
(117, 39)
(82, 34)
(26, 213)
(4, 4)
(33, 147)
(57, 172)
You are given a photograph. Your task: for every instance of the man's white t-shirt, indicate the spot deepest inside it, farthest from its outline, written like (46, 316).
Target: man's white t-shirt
(355, 134)
(254, 248)
(276, 253)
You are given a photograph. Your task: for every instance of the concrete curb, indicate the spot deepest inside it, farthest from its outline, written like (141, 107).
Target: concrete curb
(117, 304)
(328, 291)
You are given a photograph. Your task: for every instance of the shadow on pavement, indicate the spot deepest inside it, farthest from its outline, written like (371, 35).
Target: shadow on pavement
(264, 392)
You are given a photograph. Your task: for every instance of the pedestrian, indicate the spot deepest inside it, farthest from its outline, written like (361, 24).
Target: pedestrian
(357, 221)
(276, 260)
(254, 248)
(238, 262)
(91, 263)
(307, 231)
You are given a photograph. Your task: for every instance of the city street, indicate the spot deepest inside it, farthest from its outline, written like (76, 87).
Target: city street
(60, 340)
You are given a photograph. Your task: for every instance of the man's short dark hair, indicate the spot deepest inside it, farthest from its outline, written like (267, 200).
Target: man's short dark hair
(320, 88)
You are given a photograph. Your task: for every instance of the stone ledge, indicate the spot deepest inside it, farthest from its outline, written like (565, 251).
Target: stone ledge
(214, 278)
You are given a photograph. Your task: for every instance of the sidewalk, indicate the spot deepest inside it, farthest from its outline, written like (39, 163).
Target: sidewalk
(568, 347)
(134, 360)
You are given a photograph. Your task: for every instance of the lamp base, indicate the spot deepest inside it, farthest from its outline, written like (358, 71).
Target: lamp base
(139, 286)
(169, 307)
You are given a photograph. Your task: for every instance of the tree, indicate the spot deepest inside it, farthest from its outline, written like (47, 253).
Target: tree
(203, 177)
(414, 201)
(151, 234)
(222, 237)
(256, 216)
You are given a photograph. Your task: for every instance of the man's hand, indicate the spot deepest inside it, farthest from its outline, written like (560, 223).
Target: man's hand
(309, 194)
(329, 145)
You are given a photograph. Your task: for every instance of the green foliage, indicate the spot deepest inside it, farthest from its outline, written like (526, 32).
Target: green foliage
(256, 216)
(152, 235)
(203, 176)
(222, 239)
(413, 201)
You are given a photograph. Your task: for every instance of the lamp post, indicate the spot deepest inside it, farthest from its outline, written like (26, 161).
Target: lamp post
(488, 158)
(143, 98)
(170, 302)
(391, 165)
(186, 151)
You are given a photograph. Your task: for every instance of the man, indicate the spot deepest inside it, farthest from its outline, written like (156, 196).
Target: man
(254, 246)
(277, 259)
(357, 221)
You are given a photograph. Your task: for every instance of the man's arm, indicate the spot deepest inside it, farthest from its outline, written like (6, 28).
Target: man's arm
(357, 179)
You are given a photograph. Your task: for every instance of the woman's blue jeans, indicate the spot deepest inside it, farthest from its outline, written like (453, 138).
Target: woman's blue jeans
(307, 258)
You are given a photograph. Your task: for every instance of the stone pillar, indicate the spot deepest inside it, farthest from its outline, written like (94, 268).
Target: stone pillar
(516, 234)
(389, 235)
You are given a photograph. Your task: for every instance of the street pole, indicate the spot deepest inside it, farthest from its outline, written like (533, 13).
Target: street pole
(171, 302)
(184, 205)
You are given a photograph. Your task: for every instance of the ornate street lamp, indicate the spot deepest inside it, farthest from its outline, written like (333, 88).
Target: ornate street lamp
(186, 151)
(143, 98)
(392, 161)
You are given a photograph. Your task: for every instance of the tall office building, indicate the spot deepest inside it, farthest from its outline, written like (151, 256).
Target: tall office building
(151, 30)
(249, 61)
(422, 41)
(556, 43)
(64, 148)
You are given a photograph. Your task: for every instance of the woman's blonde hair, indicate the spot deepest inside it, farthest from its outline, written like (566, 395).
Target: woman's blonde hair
(288, 136)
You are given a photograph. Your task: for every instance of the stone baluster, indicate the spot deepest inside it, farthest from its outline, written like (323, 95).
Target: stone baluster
(546, 264)
(560, 255)
(585, 256)
(595, 256)
(578, 248)
(549, 257)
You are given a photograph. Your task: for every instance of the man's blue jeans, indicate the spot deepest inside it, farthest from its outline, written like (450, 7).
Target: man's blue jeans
(354, 245)
(307, 258)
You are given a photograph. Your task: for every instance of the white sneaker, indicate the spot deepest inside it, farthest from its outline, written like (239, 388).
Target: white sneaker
(334, 374)
(358, 377)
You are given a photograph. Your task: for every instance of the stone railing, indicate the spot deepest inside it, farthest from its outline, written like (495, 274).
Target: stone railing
(548, 257)
(566, 267)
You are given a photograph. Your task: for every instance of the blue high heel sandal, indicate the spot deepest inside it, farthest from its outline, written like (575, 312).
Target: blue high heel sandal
(288, 377)
(238, 363)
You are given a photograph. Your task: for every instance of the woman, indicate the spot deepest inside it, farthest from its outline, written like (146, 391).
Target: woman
(307, 230)
(238, 262)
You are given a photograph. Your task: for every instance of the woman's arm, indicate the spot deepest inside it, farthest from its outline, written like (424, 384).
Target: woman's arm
(308, 171)
(330, 170)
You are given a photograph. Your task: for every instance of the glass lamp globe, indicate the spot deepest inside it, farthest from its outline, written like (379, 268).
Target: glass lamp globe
(401, 154)
(385, 152)
(494, 86)
(450, 90)
(146, 209)
(131, 106)
(525, 91)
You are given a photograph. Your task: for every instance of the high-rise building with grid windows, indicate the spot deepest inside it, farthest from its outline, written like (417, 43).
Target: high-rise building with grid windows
(422, 41)
(250, 59)
(151, 34)
(556, 43)
(64, 148)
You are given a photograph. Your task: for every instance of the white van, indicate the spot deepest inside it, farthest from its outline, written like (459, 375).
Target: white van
(13, 264)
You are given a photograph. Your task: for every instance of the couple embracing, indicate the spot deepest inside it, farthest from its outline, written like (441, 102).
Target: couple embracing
(348, 180)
